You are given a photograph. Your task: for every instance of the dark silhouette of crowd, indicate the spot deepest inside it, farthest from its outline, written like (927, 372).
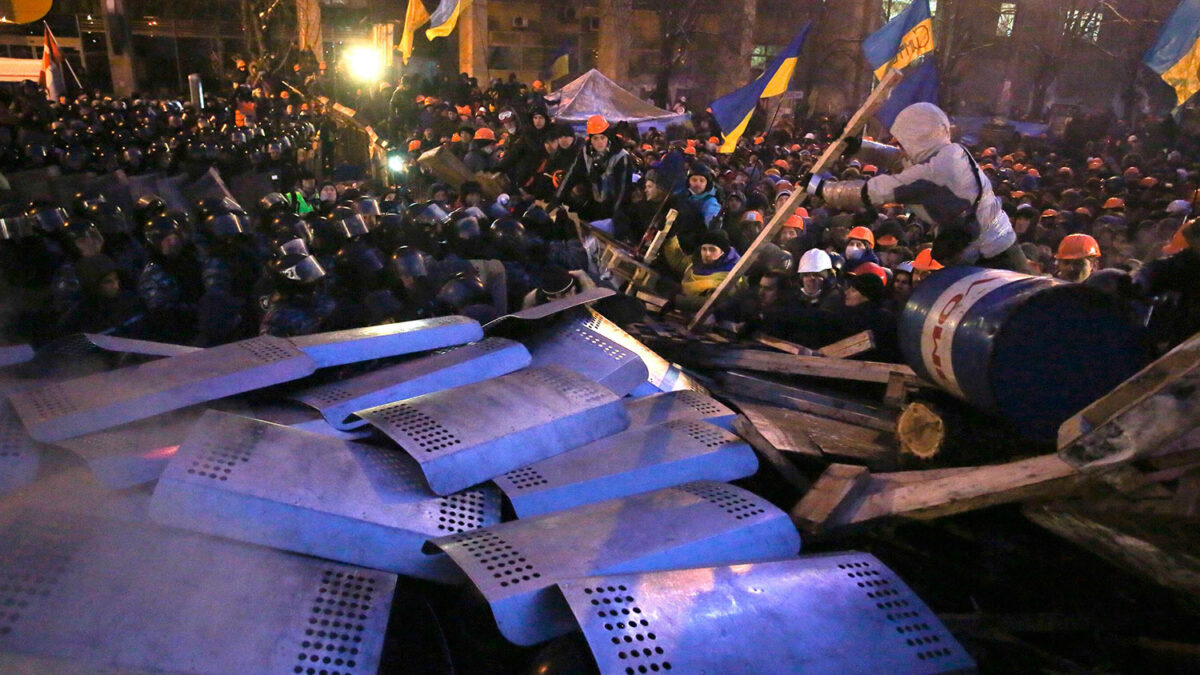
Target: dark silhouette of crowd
(320, 251)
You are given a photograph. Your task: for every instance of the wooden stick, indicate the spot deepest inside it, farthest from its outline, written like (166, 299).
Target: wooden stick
(851, 346)
(838, 485)
(831, 155)
(810, 366)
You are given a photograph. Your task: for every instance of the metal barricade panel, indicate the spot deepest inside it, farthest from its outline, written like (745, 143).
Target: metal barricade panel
(683, 404)
(837, 613)
(338, 401)
(338, 348)
(472, 433)
(19, 459)
(103, 400)
(574, 344)
(637, 460)
(90, 594)
(136, 453)
(662, 374)
(515, 565)
(130, 346)
(268, 484)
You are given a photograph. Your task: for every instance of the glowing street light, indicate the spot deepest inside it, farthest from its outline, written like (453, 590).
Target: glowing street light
(363, 63)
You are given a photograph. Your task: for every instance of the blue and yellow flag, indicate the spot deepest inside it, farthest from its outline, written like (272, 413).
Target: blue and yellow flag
(901, 40)
(733, 111)
(920, 85)
(444, 18)
(560, 63)
(1176, 55)
(414, 18)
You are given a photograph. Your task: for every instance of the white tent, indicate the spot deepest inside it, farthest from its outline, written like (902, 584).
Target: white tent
(594, 94)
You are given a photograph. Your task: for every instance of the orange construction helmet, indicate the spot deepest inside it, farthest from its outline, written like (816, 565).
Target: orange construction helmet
(485, 134)
(863, 234)
(414, 145)
(596, 124)
(1114, 203)
(871, 268)
(1178, 240)
(794, 221)
(1077, 246)
(924, 261)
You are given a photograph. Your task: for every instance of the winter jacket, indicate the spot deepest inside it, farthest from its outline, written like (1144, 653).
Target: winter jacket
(705, 202)
(608, 177)
(939, 182)
(697, 278)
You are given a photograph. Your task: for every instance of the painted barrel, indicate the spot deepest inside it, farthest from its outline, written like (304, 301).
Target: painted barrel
(1032, 350)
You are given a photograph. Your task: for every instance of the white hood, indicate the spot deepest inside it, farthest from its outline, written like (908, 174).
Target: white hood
(921, 129)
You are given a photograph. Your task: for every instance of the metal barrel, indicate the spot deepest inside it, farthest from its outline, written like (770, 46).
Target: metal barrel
(1032, 350)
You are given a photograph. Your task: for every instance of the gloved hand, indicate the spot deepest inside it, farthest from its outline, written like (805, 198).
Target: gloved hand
(853, 145)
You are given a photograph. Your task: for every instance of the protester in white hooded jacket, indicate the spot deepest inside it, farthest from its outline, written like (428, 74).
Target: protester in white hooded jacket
(942, 185)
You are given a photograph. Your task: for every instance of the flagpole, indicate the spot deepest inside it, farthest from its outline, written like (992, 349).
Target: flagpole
(65, 59)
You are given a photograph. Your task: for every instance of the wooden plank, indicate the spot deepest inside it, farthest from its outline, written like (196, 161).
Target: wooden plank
(896, 394)
(837, 485)
(831, 154)
(810, 366)
(782, 345)
(851, 346)
(810, 402)
(780, 428)
(966, 491)
(782, 465)
(1155, 407)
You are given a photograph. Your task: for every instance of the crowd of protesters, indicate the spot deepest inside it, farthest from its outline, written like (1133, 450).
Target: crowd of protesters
(314, 255)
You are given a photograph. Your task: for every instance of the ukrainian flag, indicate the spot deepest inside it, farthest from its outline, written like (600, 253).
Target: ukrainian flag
(733, 111)
(444, 18)
(901, 40)
(1176, 55)
(414, 17)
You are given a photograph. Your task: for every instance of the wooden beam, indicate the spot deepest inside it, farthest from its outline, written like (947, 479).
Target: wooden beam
(782, 465)
(811, 402)
(780, 428)
(837, 485)
(810, 366)
(852, 346)
(831, 154)
(975, 488)
(782, 345)
(1158, 405)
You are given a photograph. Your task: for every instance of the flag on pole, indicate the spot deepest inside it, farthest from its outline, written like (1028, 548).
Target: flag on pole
(560, 63)
(733, 111)
(1176, 54)
(445, 17)
(919, 86)
(53, 76)
(414, 18)
(901, 40)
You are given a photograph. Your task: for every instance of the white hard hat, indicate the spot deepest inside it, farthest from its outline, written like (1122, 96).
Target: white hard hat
(814, 260)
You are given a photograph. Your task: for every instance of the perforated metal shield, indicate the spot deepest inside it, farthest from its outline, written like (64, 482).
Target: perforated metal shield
(12, 354)
(338, 348)
(320, 426)
(572, 343)
(515, 565)
(684, 404)
(833, 614)
(549, 309)
(84, 594)
(468, 434)
(131, 346)
(338, 401)
(662, 374)
(272, 485)
(103, 400)
(637, 460)
(19, 459)
(135, 453)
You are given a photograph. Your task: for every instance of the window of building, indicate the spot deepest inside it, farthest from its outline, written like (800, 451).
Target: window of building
(1083, 24)
(891, 8)
(503, 58)
(761, 54)
(1008, 13)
